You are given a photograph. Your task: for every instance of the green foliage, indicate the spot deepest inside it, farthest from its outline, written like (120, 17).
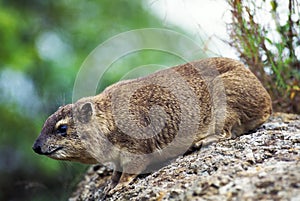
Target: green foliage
(270, 46)
(36, 79)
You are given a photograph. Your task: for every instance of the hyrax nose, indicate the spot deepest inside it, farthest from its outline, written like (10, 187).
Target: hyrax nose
(37, 148)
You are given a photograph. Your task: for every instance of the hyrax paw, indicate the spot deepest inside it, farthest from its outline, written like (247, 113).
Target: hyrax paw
(109, 187)
(110, 191)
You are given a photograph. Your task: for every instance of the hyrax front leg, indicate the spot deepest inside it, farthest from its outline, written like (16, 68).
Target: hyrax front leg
(114, 180)
(124, 181)
(131, 167)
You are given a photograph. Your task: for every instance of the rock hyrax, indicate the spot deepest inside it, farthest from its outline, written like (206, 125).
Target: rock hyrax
(137, 123)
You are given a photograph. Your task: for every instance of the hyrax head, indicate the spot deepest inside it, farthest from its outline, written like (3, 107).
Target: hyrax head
(59, 136)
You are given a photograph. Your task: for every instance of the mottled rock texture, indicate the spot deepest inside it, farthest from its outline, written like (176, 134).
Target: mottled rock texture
(261, 165)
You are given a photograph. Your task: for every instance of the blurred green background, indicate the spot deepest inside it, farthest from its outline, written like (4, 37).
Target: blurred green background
(42, 46)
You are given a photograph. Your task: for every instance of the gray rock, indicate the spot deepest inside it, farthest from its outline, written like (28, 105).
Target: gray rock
(263, 165)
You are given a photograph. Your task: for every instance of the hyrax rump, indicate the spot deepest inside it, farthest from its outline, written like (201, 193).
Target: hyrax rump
(140, 122)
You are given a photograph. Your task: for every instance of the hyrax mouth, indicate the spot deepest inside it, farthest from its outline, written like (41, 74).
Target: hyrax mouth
(38, 149)
(53, 151)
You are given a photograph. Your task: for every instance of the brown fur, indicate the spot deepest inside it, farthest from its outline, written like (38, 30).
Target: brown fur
(134, 123)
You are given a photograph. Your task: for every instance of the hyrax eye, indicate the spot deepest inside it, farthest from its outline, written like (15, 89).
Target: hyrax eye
(62, 130)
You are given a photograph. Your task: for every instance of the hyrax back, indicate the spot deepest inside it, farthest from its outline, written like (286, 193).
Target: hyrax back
(139, 122)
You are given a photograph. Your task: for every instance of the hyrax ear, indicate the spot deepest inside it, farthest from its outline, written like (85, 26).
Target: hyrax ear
(85, 112)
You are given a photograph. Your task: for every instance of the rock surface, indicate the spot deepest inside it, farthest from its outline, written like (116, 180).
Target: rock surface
(263, 165)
